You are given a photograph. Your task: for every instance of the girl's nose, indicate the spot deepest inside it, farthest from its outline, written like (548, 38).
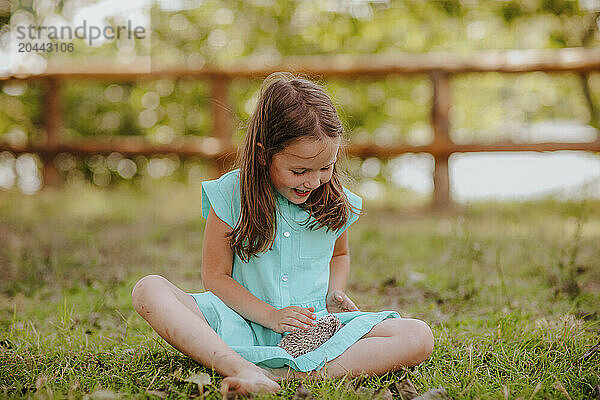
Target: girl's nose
(313, 181)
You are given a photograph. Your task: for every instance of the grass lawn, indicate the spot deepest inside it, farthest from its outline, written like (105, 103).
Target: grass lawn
(511, 291)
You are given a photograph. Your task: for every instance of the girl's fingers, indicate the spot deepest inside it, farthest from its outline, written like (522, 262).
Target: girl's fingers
(294, 323)
(306, 318)
(337, 295)
(305, 322)
(299, 323)
(287, 328)
(293, 327)
(344, 301)
(308, 312)
(347, 303)
(299, 318)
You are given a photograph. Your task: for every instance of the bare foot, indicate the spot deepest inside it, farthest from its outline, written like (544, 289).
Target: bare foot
(253, 380)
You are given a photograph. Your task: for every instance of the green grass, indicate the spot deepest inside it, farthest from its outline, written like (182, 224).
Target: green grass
(511, 290)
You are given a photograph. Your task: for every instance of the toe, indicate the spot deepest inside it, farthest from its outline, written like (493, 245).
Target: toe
(231, 385)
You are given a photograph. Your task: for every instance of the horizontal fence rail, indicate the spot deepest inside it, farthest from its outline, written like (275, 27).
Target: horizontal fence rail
(508, 61)
(218, 148)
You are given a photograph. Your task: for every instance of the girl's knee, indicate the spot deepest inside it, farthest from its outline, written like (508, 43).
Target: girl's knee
(145, 289)
(424, 341)
(428, 339)
(415, 334)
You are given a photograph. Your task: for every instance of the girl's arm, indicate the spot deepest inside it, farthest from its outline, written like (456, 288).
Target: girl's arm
(339, 266)
(217, 265)
(339, 270)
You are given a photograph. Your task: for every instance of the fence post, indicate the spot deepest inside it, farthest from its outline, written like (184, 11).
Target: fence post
(52, 119)
(222, 124)
(441, 140)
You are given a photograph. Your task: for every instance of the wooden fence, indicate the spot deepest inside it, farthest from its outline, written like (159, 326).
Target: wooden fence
(218, 148)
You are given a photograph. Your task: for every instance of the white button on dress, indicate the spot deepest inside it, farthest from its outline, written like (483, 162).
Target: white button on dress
(284, 277)
(286, 234)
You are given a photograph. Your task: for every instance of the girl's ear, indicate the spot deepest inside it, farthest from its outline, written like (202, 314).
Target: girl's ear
(260, 153)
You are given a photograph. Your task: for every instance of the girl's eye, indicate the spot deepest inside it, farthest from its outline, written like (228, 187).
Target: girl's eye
(301, 172)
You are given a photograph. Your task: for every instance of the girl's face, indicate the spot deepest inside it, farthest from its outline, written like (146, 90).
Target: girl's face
(302, 167)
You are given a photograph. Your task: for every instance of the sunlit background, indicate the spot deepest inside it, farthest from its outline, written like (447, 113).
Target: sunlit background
(486, 107)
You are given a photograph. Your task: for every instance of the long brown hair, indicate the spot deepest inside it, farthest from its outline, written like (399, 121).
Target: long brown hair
(288, 109)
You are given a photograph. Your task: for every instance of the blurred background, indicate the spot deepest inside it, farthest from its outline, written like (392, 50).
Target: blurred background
(489, 108)
(186, 91)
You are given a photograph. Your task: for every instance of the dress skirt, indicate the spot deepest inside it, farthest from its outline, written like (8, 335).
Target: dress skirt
(258, 344)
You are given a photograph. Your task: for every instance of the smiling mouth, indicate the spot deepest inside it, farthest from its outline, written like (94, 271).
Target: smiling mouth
(301, 192)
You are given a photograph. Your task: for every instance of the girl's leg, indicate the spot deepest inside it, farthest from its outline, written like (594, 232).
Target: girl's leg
(391, 344)
(175, 316)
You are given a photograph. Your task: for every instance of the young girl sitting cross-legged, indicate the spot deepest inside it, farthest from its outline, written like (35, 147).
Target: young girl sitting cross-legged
(275, 259)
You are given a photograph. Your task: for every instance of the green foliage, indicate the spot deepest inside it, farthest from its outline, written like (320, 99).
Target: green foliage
(511, 10)
(560, 7)
(220, 33)
(451, 7)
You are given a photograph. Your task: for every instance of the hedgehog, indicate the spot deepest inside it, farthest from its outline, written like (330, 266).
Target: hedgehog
(303, 341)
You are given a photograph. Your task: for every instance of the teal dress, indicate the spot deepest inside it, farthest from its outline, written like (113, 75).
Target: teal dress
(295, 272)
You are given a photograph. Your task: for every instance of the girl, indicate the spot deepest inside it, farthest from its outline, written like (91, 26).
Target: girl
(275, 258)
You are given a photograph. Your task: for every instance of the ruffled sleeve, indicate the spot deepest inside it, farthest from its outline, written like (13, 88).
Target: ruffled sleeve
(223, 196)
(356, 203)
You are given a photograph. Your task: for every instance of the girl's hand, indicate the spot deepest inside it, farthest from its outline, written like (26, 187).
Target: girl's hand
(337, 301)
(292, 318)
